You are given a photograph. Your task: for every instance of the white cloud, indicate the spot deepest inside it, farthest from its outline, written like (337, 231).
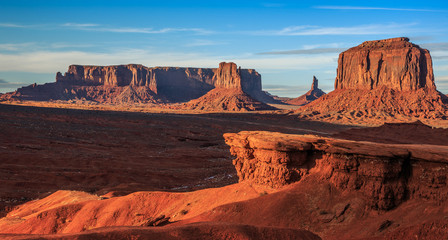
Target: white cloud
(353, 30)
(204, 42)
(102, 28)
(11, 25)
(53, 61)
(376, 8)
(442, 78)
(15, 46)
(441, 68)
(372, 29)
(80, 25)
(305, 51)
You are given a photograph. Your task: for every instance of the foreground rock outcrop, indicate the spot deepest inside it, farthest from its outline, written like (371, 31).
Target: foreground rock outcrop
(381, 79)
(386, 174)
(314, 93)
(134, 83)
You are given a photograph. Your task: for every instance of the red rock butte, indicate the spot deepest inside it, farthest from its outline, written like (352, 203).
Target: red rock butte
(378, 80)
(394, 63)
(174, 83)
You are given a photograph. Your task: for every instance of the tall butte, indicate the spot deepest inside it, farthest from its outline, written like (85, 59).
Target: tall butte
(393, 63)
(234, 91)
(383, 78)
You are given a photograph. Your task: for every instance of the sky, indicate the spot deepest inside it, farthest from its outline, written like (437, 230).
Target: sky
(287, 42)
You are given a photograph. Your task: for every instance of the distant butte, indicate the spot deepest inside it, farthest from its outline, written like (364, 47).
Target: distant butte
(310, 96)
(231, 92)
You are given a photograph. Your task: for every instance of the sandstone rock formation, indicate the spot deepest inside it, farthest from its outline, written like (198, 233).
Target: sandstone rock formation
(394, 63)
(386, 174)
(378, 78)
(226, 99)
(155, 85)
(310, 96)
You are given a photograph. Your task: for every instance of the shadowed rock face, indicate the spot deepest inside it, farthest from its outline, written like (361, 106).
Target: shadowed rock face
(387, 177)
(394, 63)
(174, 83)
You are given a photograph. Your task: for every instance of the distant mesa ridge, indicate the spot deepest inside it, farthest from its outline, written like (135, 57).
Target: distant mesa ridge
(176, 84)
(135, 83)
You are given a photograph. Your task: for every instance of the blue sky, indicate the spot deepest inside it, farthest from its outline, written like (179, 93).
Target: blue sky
(286, 41)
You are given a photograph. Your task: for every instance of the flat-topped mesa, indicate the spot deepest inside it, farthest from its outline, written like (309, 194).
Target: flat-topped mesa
(392, 63)
(175, 83)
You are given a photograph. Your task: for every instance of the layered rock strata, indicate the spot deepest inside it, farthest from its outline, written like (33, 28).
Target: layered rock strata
(137, 83)
(394, 63)
(174, 83)
(386, 174)
(382, 78)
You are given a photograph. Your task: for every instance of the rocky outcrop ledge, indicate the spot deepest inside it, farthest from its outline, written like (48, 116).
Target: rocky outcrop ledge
(387, 174)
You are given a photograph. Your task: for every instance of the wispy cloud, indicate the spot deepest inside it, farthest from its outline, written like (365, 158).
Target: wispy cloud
(377, 8)
(286, 90)
(34, 46)
(440, 57)
(204, 42)
(79, 25)
(442, 79)
(441, 68)
(440, 46)
(15, 46)
(9, 86)
(372, 29)
(11, 25)
(51, 61)
(102, 28)
(69, 45)
(442, 83)
(305, 51)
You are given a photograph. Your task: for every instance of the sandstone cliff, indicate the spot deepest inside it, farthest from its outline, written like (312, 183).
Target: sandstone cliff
(386, 174)
(393, 63)
(137, 83)
(314, 93)
(381, 79)
(174, 83)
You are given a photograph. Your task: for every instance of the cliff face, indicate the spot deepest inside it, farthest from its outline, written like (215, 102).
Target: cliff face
(393, 63)
(387, 177)
(380, 81)
(173, 83)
